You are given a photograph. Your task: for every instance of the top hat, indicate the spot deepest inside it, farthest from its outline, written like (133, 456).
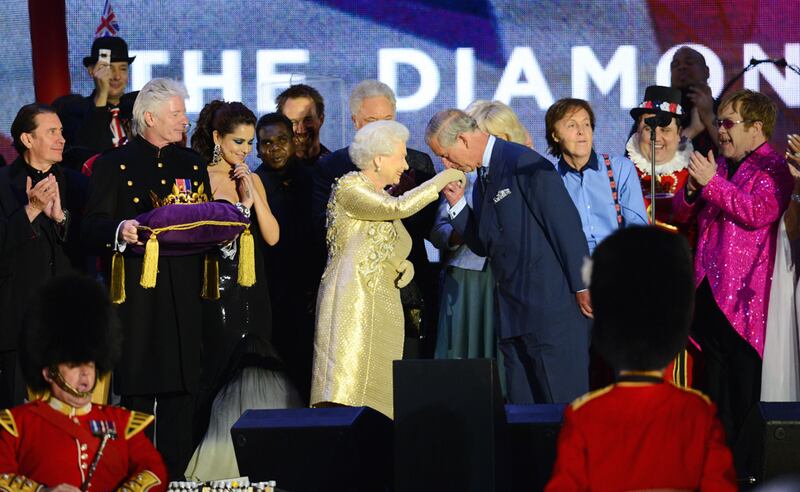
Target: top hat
(118, 47)
(660, 99)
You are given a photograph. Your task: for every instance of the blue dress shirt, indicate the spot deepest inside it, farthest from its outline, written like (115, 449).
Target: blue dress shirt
(590, 190)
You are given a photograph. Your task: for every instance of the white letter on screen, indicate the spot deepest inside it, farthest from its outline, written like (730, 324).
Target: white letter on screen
(621, 67)
(715, 70)
(522, 62)
(390, 58)
(788, 87)
(229, 80)
(270, 82)
(465, 77)
(142, 70)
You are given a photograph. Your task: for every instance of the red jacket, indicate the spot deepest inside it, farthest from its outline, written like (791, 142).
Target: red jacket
(633, 436)
(49, 446)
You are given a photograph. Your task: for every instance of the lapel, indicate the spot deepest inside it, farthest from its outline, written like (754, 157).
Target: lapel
(489, 221)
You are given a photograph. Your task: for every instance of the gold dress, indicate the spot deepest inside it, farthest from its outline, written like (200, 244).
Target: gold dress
(359, 316)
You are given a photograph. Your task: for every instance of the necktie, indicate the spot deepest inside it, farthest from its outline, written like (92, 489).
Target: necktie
(482, 178)
(118, 134)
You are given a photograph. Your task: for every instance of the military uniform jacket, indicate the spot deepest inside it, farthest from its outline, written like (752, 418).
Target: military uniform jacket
(45, 446)
(637, 436)
(162, 325)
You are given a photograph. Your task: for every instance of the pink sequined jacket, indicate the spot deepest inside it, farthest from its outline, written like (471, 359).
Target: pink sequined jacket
(736, 226)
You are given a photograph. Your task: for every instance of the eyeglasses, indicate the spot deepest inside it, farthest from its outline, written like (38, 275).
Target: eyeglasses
(728, 124)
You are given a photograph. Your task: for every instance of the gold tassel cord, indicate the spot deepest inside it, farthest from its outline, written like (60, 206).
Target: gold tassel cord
(210, 289)
(151, 253)
(150, 263)
(247, 263)
(117, 278)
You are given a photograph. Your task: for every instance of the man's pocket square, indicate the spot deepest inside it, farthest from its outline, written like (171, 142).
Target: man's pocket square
(501, 194)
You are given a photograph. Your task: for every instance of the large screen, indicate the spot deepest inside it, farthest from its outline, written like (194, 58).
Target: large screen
(434, 53)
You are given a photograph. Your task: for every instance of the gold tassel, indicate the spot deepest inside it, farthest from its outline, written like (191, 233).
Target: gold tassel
(117, 278)
(150, 264)
(210, 277)
(247, 262)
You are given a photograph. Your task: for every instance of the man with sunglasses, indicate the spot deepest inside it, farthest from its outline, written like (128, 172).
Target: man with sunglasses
(738, 199)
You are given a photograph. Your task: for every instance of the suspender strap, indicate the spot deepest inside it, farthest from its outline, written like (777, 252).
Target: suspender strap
(614, 193)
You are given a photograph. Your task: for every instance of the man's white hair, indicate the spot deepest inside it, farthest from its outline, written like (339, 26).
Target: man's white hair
(154, 94)
(374, 139)
(370, 88)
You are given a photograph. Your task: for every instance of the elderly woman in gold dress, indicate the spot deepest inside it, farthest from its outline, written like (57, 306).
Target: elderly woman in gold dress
(359, 316)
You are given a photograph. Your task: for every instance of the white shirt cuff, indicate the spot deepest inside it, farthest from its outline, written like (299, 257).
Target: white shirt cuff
(457, 208)
(119, 245)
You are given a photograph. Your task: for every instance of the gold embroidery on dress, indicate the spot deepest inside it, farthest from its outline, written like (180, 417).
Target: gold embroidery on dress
(382, 237)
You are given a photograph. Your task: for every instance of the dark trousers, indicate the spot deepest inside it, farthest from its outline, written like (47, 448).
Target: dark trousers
(732, 367)
(550, 366)
(172, 430)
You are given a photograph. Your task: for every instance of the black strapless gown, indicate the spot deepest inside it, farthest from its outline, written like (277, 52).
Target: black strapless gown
(241, 369)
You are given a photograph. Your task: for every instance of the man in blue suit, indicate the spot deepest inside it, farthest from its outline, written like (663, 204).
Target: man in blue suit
(524, 221)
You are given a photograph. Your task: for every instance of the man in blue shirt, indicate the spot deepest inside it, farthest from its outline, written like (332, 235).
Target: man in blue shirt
(605, 190)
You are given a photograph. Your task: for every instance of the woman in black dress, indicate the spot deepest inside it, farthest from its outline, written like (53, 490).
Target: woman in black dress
(240, 368)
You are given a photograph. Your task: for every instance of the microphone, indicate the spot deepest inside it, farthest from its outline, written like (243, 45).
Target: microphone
(780, 62)
(660, 119)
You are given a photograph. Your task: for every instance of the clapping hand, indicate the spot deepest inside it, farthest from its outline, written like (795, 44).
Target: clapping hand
(793, 156)
(702, 168)
(41, 196)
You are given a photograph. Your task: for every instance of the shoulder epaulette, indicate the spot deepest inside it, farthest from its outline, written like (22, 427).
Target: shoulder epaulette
(694, 392)
(8, 423)
(582, 400)
(137, 422)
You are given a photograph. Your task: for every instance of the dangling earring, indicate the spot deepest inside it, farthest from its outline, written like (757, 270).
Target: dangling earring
(215, 156)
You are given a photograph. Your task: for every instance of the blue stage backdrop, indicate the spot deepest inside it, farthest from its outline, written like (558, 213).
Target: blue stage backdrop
(434, 53)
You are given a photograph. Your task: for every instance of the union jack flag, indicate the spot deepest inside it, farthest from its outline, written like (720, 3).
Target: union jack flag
(108, 23)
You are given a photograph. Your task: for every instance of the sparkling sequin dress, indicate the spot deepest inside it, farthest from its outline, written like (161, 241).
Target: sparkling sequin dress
(241, 369)
(360, 326)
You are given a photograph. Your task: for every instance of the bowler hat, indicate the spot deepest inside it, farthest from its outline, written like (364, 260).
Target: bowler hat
(118, 47)
(660, 99)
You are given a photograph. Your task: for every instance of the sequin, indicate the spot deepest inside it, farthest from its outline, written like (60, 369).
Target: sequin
(737, 226)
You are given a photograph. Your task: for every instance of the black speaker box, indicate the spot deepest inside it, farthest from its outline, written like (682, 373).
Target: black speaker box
(769, 445)
(533, 434)
(449, 426)
(316, 449)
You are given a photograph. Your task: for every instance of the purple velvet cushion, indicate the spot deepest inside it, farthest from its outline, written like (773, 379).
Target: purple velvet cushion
(196, 238)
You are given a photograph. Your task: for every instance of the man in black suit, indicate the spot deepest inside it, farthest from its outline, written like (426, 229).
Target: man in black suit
(35, 196)
(92, 124)
(525, 223)
(159, 370)
(372, 100)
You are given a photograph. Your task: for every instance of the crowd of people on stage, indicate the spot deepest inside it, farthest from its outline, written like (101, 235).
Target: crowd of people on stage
(548, 265)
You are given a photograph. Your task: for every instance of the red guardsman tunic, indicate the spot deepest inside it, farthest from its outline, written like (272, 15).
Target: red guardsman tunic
(46, 443)
(642, 435)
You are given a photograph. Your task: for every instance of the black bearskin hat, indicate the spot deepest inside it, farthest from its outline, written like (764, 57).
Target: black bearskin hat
(69, 320)
(642, 290)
